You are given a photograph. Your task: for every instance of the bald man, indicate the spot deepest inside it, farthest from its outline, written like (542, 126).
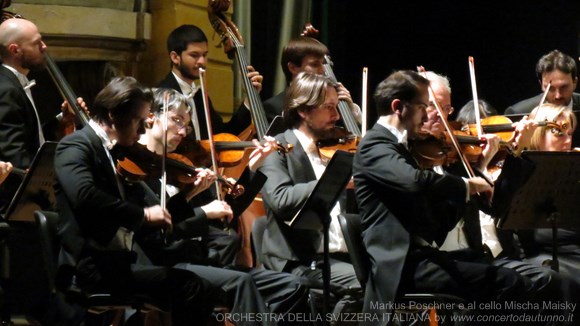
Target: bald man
(21, 134)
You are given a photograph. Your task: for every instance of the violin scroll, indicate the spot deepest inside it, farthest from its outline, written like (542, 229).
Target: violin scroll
(309, 31)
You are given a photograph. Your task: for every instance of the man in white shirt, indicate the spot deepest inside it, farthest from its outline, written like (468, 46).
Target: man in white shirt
(312, 112)
(21, 133)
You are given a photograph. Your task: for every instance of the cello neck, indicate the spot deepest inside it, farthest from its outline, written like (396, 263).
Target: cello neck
(227, 30)
(343, 107)
(65, 90)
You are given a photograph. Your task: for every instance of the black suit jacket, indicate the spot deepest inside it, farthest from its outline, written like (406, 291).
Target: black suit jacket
(241, 118)
(89, 200)
(291, 179)
(275, 105)
(526, 106)
(395, 200)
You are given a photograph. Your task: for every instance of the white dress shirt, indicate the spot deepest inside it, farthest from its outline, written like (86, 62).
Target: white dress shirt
(336, 238)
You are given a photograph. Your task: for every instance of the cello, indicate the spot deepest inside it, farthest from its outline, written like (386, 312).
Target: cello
(234, 46)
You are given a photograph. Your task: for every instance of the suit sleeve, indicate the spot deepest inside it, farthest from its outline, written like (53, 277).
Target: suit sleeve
(386, 166)
(76, 172)
(280, 194)
(13, 144)
(188, 222)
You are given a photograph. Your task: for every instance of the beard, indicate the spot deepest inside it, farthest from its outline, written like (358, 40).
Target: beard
(185, 72)
(320, 133)
(33, 64)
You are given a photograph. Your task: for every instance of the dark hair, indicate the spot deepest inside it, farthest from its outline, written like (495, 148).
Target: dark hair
(306, 92)
(403, 85)
(180, 37)
(297, 49)
(556, 60)
(467, 113)
(120, 101)
(174, 100)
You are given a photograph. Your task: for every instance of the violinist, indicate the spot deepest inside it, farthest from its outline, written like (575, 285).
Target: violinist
(311, 111)
(188, 51)
(247, 291)
(21, 131)
(537, 244)
(475, 233)
(559, 72)
(98, 221)
(401, 214)
(304, 54)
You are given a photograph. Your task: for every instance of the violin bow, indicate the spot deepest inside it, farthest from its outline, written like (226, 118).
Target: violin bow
(542, 100)
(163, 192)
(163, 161)
(365, 75)
(475, 98)
(209, 129)
(466, 165)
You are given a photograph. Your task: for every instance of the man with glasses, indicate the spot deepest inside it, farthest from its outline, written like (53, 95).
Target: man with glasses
(405, 209)
(255, 290)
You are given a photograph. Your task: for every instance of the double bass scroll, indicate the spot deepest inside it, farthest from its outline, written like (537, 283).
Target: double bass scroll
(234, 46)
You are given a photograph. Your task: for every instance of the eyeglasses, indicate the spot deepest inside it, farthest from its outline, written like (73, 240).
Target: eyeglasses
(181, 124)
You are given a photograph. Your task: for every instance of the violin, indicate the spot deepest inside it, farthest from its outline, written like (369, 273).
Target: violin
(436, 150)
(502, 126)
(337, 139)
(136, 163)
(230, 150)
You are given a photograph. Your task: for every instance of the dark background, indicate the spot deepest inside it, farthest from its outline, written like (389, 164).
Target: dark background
(506, 39)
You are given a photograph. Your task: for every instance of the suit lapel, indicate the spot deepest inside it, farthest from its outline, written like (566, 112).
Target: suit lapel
(103, 160)
(299, 157)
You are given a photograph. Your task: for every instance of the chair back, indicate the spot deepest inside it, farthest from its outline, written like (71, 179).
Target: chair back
(47, 223)
(351, 227)
(258, 228)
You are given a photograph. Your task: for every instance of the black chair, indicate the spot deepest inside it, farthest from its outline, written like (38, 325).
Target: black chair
(351, 227)
(94, 303)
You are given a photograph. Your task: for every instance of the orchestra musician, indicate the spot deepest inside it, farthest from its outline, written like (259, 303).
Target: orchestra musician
(537, 244)
(98, 221)
(254, 290)
(304, 54)
(187, 46)
(560, 71)
(476, 232)
(403, 212)
(21, 132)
(188, 51)
(311, 111)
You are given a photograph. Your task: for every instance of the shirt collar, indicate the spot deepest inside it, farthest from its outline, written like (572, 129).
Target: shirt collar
(401, 136)
(186, 89)
(105, 140)
(24, 82)
(306, 142)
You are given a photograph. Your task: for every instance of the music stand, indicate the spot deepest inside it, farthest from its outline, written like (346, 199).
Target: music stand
(36, 190)
(315, 212)
(548, 197)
